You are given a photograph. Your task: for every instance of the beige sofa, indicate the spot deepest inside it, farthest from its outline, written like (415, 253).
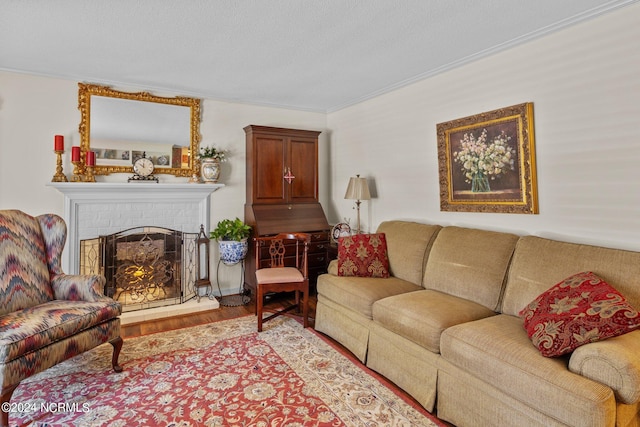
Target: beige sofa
(445, 327)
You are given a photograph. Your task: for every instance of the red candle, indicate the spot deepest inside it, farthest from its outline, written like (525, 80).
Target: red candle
(58, 144)
(75, 154)
(91, 158)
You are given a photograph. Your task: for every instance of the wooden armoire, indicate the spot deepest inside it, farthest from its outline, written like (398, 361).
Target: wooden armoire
(282, 192)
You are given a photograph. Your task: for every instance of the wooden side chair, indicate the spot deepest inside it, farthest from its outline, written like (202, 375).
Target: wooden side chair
(281, 266)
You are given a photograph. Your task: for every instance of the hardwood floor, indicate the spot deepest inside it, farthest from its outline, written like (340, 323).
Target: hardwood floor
(276, 302)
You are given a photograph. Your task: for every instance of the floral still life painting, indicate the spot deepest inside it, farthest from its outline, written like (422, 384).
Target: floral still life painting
(482, 161)
(487, 162)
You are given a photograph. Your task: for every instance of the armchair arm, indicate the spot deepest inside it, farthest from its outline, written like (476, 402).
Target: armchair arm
(88, 288)
(613, 362)
(78, 287)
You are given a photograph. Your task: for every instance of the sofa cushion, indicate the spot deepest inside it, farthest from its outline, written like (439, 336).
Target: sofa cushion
(422, 316)
(408, 245)
(36, 327)
(538, 263)
(24, 273)
(359, 293)
(363, 255)
(497, 351)
(580, 309)
(470, 264)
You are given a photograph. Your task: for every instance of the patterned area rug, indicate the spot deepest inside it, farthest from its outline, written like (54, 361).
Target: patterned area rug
(218, 374)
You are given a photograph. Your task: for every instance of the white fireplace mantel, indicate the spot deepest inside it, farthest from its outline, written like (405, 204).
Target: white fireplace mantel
(93, 209)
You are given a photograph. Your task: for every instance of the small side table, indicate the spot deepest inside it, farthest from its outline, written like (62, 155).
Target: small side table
(243, 298)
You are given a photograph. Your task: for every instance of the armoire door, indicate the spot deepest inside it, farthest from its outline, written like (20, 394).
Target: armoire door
(303, 155)
(270, 165)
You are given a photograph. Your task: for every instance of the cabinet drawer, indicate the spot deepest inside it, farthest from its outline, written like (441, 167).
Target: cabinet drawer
(319, 243)
(318, 247)
(319, 236)
(318, 260)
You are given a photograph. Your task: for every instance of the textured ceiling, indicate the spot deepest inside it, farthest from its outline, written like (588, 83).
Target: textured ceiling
(316, 55)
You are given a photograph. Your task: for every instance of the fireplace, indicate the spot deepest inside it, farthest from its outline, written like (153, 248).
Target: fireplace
(103, 208)
(144, 267)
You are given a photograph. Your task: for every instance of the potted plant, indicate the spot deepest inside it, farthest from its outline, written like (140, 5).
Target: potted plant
(210, 159)
(232, 236)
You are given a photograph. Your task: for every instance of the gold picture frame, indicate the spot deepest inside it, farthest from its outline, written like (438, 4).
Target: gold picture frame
(144, 115)
(487, 162)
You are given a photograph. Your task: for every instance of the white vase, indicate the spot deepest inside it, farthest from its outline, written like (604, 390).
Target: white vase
(210, 170)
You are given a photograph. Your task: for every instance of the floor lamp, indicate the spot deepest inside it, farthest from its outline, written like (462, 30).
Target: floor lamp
(358, 190)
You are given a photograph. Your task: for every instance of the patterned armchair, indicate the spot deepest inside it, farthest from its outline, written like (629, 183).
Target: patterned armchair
(46, 316)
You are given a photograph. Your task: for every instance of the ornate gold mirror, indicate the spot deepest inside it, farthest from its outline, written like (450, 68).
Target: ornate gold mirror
(120, 126)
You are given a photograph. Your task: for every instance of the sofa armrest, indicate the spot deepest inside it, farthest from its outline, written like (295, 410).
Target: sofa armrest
(613, 362)
(333, 267)
(78, 287)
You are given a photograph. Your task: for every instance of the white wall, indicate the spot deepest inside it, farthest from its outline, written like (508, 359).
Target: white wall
(585, 85)
(33, 109)
(584, 82)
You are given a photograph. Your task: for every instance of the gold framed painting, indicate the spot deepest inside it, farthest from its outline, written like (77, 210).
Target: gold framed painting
(487, 162)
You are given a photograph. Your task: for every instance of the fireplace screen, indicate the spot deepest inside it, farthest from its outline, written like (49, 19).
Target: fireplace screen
(145, 267)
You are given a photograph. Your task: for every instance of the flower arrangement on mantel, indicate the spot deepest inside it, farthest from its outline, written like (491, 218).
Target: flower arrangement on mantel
(482, 160)
(213, 153)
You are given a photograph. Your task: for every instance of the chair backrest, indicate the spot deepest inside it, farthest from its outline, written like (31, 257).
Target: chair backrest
(25, 274)
(54, 232)
(283, 250)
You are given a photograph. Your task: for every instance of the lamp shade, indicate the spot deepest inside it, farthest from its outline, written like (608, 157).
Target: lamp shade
(358, 189)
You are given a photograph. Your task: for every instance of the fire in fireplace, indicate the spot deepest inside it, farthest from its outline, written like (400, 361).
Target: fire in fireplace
(145, 267)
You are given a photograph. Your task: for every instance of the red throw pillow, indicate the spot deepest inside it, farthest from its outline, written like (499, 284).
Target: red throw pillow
(363, 255)
(581, 309)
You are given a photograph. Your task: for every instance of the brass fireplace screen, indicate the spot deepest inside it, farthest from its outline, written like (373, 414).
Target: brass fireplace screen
(145, 267)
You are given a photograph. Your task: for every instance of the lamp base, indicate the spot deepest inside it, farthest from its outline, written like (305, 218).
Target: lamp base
(358, 216)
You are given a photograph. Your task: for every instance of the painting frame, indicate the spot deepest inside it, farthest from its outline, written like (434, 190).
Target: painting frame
(487, 162)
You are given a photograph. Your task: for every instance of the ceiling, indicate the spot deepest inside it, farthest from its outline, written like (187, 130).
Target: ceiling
(315, 55)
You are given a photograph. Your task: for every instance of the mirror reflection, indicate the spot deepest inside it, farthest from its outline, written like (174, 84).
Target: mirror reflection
(119, 127)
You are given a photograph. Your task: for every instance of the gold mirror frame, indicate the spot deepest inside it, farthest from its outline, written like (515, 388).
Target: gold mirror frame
(86, 91)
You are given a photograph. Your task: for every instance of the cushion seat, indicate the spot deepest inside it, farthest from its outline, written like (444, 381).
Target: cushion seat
(405, 315)
(359, 293)
(498, 351)
(279, 275)
(36, 327)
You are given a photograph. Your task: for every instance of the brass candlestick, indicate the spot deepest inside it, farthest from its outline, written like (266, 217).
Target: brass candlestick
(89, 177)
(78, 171)
(59, 176)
